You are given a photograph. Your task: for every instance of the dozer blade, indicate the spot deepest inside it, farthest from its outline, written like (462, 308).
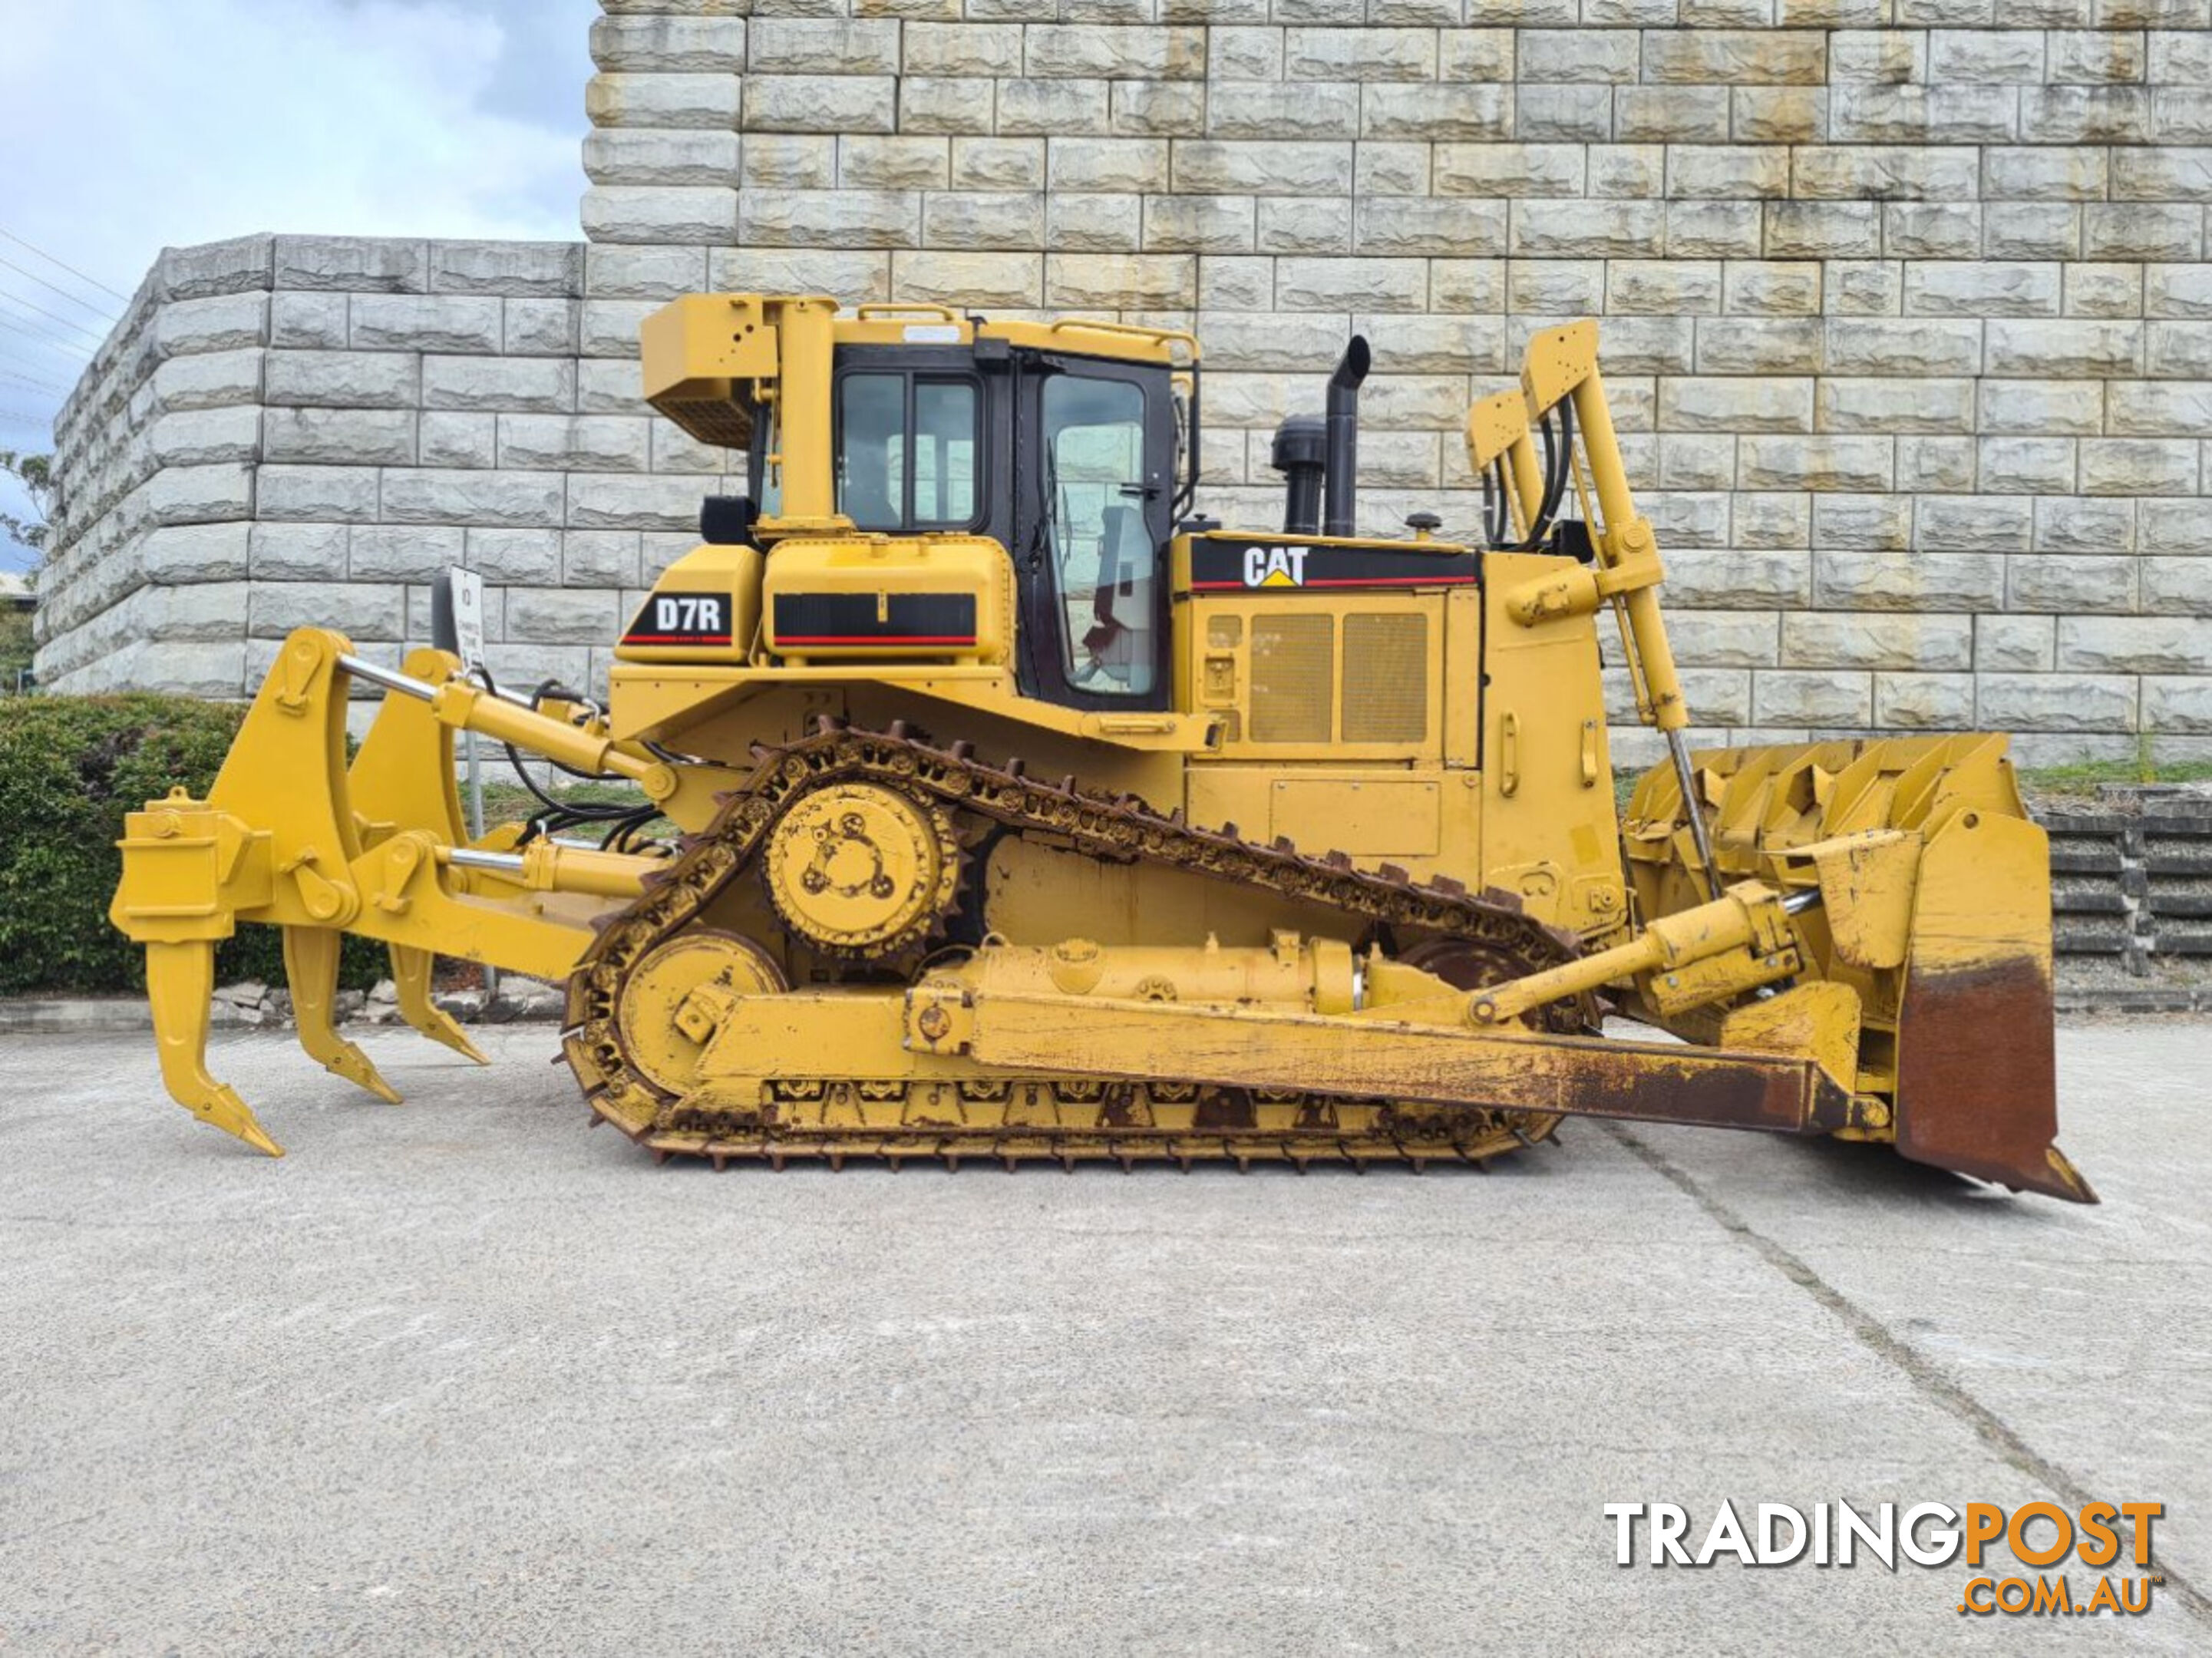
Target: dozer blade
(1977, 1077)
(1947, 946)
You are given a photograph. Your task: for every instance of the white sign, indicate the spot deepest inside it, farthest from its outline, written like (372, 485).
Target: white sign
(464, 597)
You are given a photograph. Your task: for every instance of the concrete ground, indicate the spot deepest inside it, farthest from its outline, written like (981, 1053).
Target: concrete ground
(458, 1376)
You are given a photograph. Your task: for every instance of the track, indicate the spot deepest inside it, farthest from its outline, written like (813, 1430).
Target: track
(991, 1115)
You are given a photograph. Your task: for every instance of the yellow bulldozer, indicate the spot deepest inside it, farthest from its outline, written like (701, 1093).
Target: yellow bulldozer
(989, 802)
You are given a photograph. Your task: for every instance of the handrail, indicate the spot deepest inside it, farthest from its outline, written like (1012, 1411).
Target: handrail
(907, 307)
(1181, 337)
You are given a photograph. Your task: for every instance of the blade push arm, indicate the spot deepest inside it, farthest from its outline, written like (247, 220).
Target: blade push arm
(1395, 1032)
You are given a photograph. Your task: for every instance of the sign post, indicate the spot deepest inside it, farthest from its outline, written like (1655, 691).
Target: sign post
(457, 613)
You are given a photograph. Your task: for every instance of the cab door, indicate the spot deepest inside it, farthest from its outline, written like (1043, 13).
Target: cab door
(1096, 487)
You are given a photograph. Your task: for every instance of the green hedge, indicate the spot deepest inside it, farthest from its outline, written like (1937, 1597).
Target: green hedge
(71, 767)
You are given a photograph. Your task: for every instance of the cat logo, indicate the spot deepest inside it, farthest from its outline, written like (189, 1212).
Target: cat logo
(1275, 566)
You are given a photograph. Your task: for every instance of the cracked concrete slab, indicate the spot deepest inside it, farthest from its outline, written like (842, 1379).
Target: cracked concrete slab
(459, 1375)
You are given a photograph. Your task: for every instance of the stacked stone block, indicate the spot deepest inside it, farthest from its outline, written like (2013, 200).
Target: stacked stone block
(1907, 312)
(288, 431)
(1907, 308)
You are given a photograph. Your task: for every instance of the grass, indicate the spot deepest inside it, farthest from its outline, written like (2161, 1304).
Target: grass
(2078, 779)
(505, 801)
(2088, 776)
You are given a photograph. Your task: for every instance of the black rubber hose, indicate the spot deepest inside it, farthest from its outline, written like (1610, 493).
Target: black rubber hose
(1566, 459)
(1552, 478)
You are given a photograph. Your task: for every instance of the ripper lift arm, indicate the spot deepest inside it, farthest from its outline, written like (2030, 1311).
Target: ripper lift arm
(288, 837)
(1563, 395)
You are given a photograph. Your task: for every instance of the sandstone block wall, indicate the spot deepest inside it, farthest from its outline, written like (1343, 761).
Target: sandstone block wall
(1907, 317)
(1907, 311)
(290, 430)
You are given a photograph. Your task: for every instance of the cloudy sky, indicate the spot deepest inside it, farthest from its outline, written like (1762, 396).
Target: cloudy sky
(127, 125)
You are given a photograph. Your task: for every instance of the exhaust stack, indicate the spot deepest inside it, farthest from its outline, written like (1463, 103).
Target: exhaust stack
(1301, 455)
(1343, 439)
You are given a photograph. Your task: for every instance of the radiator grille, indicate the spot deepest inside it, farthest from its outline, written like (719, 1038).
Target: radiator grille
(1385, 678)
(1294, 674)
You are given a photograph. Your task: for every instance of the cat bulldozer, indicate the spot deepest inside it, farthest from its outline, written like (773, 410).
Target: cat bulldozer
(985, 800)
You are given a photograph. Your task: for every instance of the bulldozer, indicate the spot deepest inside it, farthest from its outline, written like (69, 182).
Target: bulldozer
(987, 800)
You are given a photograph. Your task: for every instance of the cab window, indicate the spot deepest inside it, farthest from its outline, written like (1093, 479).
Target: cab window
(907, 451)
(1105, 565)
(767, 480)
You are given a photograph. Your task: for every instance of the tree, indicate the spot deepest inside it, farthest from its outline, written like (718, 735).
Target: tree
(15, 647)
(36, 474)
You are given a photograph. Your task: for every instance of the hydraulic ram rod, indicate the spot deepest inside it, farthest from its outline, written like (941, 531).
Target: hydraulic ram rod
(469, 708)
(1561, 367)
(547, 865)
(1748, 917)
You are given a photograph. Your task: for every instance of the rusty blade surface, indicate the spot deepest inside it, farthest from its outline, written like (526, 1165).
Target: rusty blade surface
(1977, 1068)
(1977, 1080)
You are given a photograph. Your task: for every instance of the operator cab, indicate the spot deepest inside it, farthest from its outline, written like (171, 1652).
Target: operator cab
(1069, 460)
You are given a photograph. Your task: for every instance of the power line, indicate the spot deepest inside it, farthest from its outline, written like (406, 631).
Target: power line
(21, 366)
(11, 417)
(19, 300)
(96, 310)
(64, 264)
(32, 365)
(53, 342)
(35, 384)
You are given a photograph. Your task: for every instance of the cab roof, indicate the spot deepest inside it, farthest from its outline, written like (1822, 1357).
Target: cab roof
(901, 324)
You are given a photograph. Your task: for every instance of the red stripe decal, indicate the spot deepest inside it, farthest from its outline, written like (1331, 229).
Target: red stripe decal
(875, 638)
(1342, 581)
(676, 638)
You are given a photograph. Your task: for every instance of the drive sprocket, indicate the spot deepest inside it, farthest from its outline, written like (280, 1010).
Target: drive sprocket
(860, 870)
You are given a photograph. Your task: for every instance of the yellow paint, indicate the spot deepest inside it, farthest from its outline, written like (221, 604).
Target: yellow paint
(882, 568)
(1456, 731)
(279, 840)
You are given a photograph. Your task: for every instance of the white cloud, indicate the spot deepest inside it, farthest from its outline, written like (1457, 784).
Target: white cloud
(137, 123)
(133, 124)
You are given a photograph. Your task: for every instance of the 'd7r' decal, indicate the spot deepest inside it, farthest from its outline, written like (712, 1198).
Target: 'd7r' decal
(682, 619)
